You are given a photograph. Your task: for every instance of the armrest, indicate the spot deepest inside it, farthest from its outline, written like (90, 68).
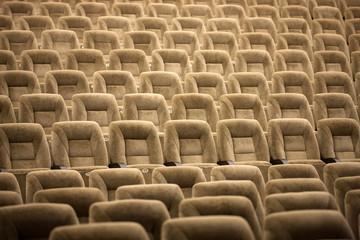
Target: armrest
(225, 162)
(3, 170)
(278, 161)
(56, 167)
(117, 165)
(172, 164)
(330, 160)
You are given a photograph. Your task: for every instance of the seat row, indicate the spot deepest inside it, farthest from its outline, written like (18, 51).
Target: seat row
(291, 191)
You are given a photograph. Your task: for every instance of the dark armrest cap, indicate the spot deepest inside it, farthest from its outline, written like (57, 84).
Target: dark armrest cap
(117, 165)
(330, 160)
(172, 164)
(226, 162)
(278, 161)
(56, 167)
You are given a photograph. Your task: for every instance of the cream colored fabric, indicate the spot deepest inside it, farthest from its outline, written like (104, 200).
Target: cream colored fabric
(261, 24)
(224, 25)
(294, 25)
(102, 40)
(203, 12)
(36, 24)
(185, 40)
(78, 24)
(93, 10)
(295, 41)
(7, 114)
(116, 24)
(6, 23)
(18, 9)
(189, 24)
(7, 60)
(331, 61)
(267, 11)
(301, 12)
(142, 40)
(290, 185)
(164, 10)
(17, 41)
(55, 10)
(217, 61)
(157, 25)
(331, 42)
(130, 10)
(257, 40)
(9, 190)
(328, 26)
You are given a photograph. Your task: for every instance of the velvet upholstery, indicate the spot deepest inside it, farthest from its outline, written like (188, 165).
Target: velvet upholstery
(261, 24)
(78, 24)
(142, 40)
(185, 176)
(157, 25)
(352, 210)
(7, 60)
(328, 26)
(7, 114)
(219, 40)
(332, 61)
(185, 40)
(203, 12)
(328, 12)
(166, 11)
(331, 42)
(286, 185)
(116, 24)
(259, 10)
(170, 194)
(55, 10)
(342, 186)
(129, 10)
(105, 41)
(257, 40)
(295, 41)
(209, 227)
(189, 24)
(230, 10)
(352, 26)
(292, 171)
(92, 10)
(10, 193)
(217, 61)
(7, 23)
(34, 221)
(36, 24)
(288, 24)
(17, 41)
(151, 214)
(16, 10)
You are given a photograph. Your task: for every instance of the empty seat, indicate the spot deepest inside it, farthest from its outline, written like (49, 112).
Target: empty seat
(293, 60)
(257, 40)
(78, 145)
(283, 171)
(40, 62)
(328, 26)
(293, 82)
(247, 143)
(342, 186)
(55, 10)
(60, 40)
(129, 10)
(92, 10)
(44, 109)
(115, 82)
(224, 25)
(7, 114)
(6, 23)
(116, 24)
(334, 82)
(334, 105)
(295, 41)
(289, 105)
(355, 56)
(190, 143)
(131, 60)
(189, 24)
(36, 24)
(331, 61)
(283, 3)
(165, 83)
(7, 61)
(35, 220)
(254, 60)
(86, 60)
(208, 83)
(157, 25)
(170, 194)
(294, 25)
(9, 190)
(265, 11)
(294, 140)
(98, 107)
(352, 26)
(102, 40)
(243, 106)
(224, 205)
(205, 227)
(294, 185)
(164, 11)
(264, 3)
(351, 13)
(202, 12)
(185, 176)
(352, 210)
(39, 180)
(221, 41)
(151, 214)
(197, 106)
(18, 41)
(171, 60)
(331, 42)
(142, 40)
(184, 40)
(243, 3)
(78, 24)
(217, 61)
(234, 11)
(18, 9)
(249, 83)
(147, 107)
(300, 12)
(328, 12)
(107, 231)
(308, 223)
(261, 24)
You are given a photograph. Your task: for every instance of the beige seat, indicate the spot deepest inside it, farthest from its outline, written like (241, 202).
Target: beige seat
(170, 194)
(55, 10)
(224, 25)
(293, 82)
(107, 231)
(249, 83)
(131, 60)
(35, 220)
(160, 82)
(267, 11)
(202, 12)
(98, 107)
(309, 223)
(116, 24)
(261, 24)
(221, 41)
(7, 60)
(331, 42)
(254, 60)
(294, 25)
(157, 25)
(44, 109)
(151, 214)
(78, 24)
(284, 171)
(196, 106)
(92, 10)
(331, 61)
(289, 105)
(257, 40)
(352, 210)
(243, 3)
(137, 145)
(283, 3)
(294, 140)
(115, 82)
(206, 227)
(39, 180)
(243, 106)
(6, 23)
(295, 41)
(60, 40)
(184, 40)
(79, 145)
(185, 177)
(171, 60)
(86, 60)
(189, 24)
(108, 180)
(166, 11)
(222, 205)
(247, 143)
(207, 83)
(17, 41)
(328, 26)
(342, 186)
(328, 12)
(216, 61)
(143, 40)
(294, 185)
(352, 26)
(300, 12)
(9, 190)
(102, 40)
(147, 107)
(334, 82)
(235, 11)
(351, 12)
(130, 10)
(264, 3)
(18, 9)
(36, 24)
(7, 114)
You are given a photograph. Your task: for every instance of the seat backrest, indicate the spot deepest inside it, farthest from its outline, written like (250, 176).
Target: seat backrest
(105, 41)
(203, 12)
(39, 180)
(78, 24)
(295, 170)
(36, 24)
(142, 40)
(265, 11)
(228, 25)
(342, 186)
(93, 10)
(6, 23)
(130, 10)
(7, 114)
(9, 183)
(257, 40)
(331, 61)
(298, 41)
(116, 24)
(261, 24)
(300, 12)
(294, 25)
(217, 61)
(78, 144)
(352, 210)
(185, 40)
(287, 185)
(328, 26)
(166, 11)
(236, 12)
(189, 24)
(331, 42)
(55, 10)
(157, 25)
(221, 41)
(18, 41)
(7, 60)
